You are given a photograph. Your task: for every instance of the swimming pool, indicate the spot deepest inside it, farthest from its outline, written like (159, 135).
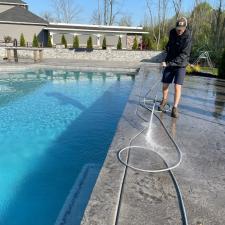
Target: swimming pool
(54, 125)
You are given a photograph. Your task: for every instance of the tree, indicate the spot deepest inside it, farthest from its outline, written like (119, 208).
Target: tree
(157, 26)
(218, 26)
(35, 41)
(96, 18)
(146, 42)
(76, 42)
(22, 40)
(48, 16)
(200, 25)
(135, 45)
(177, 7)
(7, 39)
(104, 43)
(110, 13)
(106, 12)
(65, 10)
(89, 43)
(63, 41)
(49, 44)
(125, 21)
(149, 44)
(119, 44)
(221, 71)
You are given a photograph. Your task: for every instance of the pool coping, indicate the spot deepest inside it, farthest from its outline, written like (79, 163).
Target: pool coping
(82, 65)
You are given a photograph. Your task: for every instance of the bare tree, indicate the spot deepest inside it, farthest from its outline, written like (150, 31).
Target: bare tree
(152, 23)
(125, 21)
(47, 16)
(65, 10)
(177, 7)
(159, 23)
(110, 11)
(99, 13)
(106, 4)
(157, 20)
(164, 13)
(96, 18)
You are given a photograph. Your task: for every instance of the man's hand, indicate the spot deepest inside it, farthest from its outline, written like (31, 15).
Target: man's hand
(163, 64)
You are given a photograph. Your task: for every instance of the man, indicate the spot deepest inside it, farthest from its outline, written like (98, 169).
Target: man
(178, 51)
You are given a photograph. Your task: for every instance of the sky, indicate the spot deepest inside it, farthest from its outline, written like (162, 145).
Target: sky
(134, 8)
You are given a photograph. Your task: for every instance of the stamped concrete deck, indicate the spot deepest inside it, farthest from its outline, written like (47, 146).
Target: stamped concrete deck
(151, 199)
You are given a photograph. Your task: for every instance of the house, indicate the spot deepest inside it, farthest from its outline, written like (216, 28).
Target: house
(15, 18)
(97, 32)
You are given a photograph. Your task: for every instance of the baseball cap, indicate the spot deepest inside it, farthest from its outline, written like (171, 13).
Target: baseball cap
(181, 23)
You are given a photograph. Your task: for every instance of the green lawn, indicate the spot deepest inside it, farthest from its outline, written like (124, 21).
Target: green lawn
(213, 71)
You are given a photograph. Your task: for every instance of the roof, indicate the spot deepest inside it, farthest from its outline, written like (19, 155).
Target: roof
(94, 28)
(18, 14)
(17, 2)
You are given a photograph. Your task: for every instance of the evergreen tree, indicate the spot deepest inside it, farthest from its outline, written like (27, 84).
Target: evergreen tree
(76, 42)
(49, 44)
(89, 43)
(149, 44)
(104, 43)
(63, 41)
(119, 44)
(22, 40)
(135, 45)
(221, 71)
(35, 41)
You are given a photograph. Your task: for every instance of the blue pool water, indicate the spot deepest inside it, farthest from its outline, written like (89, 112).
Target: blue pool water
(53, 125)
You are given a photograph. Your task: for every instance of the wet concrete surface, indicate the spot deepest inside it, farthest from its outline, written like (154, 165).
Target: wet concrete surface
(128, 197)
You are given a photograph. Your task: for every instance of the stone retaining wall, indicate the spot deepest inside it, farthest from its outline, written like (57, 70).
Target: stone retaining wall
(109, 54)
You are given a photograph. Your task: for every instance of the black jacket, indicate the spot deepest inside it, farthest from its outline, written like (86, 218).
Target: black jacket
(178, 49)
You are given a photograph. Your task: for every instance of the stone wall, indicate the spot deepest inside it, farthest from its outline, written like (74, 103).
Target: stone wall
(130, 40)
(109, 55)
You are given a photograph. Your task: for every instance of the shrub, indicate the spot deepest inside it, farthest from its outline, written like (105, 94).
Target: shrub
(119, 44)
(89, 43)
(221, 71)
(189, 69)
(49, 44)
(149, 44)
(22, 40)
(63, 41)
(146, 43)
(163, 42)
(135, 45)
(193, 69)
(7, 39)
(104, 43)
(76, 42)
(35, 41)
